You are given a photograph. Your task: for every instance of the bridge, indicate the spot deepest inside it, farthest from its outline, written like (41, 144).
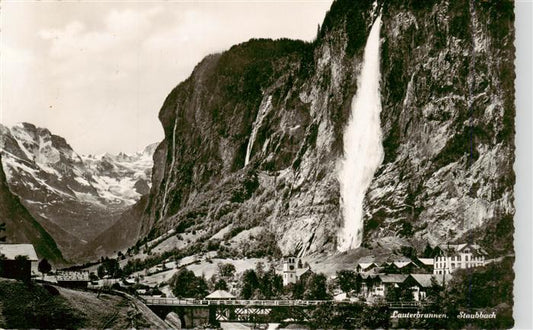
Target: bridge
(150, 301)
(197, 312)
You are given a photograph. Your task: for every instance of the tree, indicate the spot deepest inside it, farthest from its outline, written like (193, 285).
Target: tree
(101, 271)
(435, 290)
(347, 280)
(221, 285)
(21, 257)
(437, 251)
(408, 251)
(295, 290)
(337, 316)
(93, 277)
(316, 287)
(486, 289)
(376, 316)
(185, 284)
(400, 293)
(390, 268)
(428, 251)
(249, 283)
(322, 316)
(271, 285)
(109, 267)
(226, 270)
(44, 267)
(260, 269)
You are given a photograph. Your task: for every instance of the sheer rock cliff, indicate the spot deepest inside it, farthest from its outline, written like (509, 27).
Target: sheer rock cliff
(447, 123)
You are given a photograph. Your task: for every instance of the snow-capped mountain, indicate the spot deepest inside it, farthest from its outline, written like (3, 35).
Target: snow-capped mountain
(74, 197)
(121, 178)
(21, 227)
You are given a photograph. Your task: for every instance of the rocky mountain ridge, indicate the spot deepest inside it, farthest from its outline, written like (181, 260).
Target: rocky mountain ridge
(21, 227)
(254, 136)
(74, 197)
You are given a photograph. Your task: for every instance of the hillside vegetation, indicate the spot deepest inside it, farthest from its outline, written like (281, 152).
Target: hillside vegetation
(30, 305)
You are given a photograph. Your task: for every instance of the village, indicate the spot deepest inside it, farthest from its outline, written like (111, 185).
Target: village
(370, 280)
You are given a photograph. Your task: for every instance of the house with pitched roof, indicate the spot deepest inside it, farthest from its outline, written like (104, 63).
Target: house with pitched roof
(220, 295)
(18, 261)
(385, 282)
(425, 264)
(400, 267)
(420, 284)
(367, 267)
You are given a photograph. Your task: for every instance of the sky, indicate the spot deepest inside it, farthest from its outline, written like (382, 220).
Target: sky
(97, 72)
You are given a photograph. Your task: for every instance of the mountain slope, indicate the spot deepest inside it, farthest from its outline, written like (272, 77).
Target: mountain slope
(121, 235)
(74, 197)
(254, 136)
(22, 228)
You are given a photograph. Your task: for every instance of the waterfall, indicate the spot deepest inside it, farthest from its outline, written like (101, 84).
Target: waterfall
(164, 207)
(261, 114)
(363, 151)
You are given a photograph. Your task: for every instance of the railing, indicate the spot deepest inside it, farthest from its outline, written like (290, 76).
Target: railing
(240, 302)
(407, 304)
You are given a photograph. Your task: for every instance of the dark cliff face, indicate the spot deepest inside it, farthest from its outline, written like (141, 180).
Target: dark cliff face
(21, 227)
(447, 125)
(447, 119)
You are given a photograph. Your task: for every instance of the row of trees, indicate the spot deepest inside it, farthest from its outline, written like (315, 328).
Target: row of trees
(258, 284)
(255, 283)
(109, 267)
(185, 284)
(261, 284)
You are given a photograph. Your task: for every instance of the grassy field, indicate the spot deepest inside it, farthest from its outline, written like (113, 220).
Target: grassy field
(207, 268)
(330, 264)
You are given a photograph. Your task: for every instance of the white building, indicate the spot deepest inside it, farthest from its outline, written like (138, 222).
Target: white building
(293, 270)
(458, 256)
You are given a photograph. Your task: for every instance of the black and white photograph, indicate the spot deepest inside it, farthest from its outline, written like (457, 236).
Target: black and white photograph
(304, 164)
